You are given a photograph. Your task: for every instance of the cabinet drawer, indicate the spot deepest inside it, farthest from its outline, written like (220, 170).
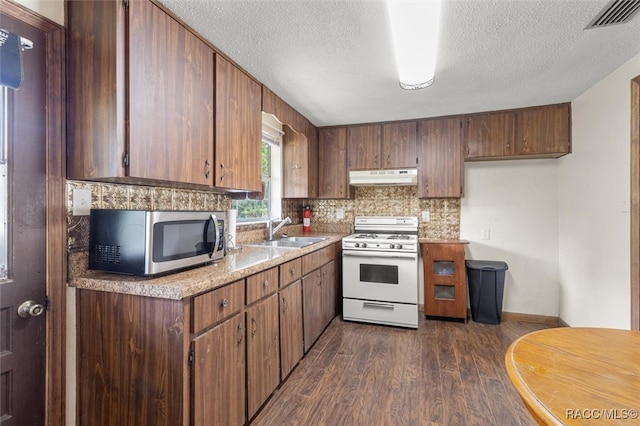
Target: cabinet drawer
(262, 284)
(290, 271)
(216, 305)
(317, 259)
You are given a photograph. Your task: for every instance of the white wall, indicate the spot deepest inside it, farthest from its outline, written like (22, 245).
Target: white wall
(593, 206)
(52, 9)
(517, 202)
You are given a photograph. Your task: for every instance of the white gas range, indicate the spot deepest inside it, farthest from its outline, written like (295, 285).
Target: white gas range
(380, 271)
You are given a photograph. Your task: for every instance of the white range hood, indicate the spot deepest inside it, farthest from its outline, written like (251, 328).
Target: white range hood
(396, 177)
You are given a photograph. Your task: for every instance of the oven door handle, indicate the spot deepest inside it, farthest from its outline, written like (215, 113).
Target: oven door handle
(386, 254)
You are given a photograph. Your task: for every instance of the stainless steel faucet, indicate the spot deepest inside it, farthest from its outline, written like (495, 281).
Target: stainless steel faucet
(271, 230)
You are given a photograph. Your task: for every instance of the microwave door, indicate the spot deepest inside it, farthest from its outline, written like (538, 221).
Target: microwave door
(214, 247)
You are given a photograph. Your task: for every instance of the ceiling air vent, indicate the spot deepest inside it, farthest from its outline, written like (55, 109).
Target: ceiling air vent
(616, 12)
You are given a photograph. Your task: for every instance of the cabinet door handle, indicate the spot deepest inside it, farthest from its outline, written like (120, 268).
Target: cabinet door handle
(285, 305)
(223, 172)
(207, 169)
(265, 284)
(225, 303)
(292, 271)
(468, 150)
(240, 333)
(254, 326)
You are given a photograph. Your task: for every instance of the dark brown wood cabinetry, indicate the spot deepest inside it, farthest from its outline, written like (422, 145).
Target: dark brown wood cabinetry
(297, 163)
(543, 131)
(332, 163)
(263, 352)
(219, 356)
(535, 132)
(140, 95)
(445, 286)
(125, 342)
(490, 135)
(399, 145)
(381, 146)
(440, 158)
(312, 290)
(210, 359)
(319, 287)
(238, 129)
(291, 328)
(364, 147)
(219, 374)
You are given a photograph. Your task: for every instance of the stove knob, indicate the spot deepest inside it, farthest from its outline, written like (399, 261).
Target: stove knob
(397, 246)
(391, 246)
(357, 244)
(363, 245)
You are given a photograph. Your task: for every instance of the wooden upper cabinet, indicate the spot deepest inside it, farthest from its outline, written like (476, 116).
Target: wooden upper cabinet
(440, 158)
(399, 145)
(489, 135)
(364, 147)
(238, 129)
(544, 131)
(536, 132)
(299, 155)
(332, 163)
(382, 146)
(140, 95)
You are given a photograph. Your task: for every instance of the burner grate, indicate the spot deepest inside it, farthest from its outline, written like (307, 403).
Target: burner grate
(367, 236)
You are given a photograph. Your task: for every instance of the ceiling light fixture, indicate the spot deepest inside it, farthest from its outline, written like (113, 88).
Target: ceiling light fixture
(414, 29)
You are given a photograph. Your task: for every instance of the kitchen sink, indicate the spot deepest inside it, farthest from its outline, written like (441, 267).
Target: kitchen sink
(303, 239)
(289, 242)
(281, 244)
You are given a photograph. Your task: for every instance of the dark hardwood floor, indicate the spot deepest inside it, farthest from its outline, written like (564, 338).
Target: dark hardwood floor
(444, 373)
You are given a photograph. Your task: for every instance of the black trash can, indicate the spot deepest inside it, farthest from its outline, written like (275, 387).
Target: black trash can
(486, 288)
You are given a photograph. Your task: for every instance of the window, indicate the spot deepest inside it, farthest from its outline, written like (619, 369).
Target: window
(256, 207)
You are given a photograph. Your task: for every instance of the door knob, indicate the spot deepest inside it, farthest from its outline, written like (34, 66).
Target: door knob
(30, 309)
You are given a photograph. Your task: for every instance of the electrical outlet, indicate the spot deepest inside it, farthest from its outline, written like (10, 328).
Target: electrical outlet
(426, 216)
(81, 202)
(339, 213)
(624, 206)
(485, 234)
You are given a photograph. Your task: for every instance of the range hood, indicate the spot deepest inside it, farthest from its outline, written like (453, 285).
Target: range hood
(396, 177)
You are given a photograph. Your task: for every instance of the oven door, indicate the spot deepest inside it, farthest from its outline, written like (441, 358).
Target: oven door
(380, 276)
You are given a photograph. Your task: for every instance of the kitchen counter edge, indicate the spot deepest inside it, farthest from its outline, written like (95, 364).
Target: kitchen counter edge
(436, 241)
(238, 264)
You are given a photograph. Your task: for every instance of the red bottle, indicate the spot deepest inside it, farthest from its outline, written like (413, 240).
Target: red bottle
(306, 219)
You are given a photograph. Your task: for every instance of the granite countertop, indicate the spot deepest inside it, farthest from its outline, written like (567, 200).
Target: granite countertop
(245, 261)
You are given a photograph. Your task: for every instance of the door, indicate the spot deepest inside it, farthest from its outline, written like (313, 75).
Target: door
(22, 239)
(388, 276)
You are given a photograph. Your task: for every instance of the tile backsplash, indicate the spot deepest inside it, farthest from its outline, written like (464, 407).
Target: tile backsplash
(444, 214)
(134, 197)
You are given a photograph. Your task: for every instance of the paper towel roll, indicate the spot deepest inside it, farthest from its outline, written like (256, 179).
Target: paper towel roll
(232, 216)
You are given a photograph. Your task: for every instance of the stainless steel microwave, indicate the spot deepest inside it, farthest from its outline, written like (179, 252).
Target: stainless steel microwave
(152, 242)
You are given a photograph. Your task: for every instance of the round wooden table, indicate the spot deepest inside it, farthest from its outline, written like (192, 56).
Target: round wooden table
(578, 375)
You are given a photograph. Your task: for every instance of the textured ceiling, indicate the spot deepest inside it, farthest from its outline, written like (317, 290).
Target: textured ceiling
(332, 60)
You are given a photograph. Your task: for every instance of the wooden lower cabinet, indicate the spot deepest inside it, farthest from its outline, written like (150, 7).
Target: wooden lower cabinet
(445, 284)
(212, 359)
(319, 289)
(263, 352)
(329, 292)
(219, 374)
(132, 359)
(291, 330)
(312, 301)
